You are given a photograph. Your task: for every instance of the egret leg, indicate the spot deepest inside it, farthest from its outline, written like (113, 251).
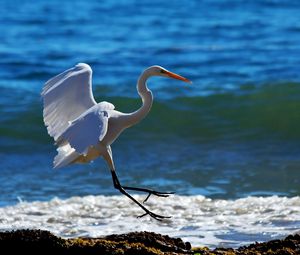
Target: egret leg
(118, 186)
(109, 159)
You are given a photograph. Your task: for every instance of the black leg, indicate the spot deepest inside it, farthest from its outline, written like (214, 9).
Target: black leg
(118, 186)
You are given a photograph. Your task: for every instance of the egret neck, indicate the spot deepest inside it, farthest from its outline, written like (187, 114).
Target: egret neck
(147, 99)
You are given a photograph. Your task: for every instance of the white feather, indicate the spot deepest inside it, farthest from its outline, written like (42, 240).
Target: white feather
(70, 108)
(66, 155)
(66, 97)
(94, 122)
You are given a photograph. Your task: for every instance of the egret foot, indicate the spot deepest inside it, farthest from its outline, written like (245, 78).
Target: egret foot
(150, 191)
(155, 216)
(122, 189)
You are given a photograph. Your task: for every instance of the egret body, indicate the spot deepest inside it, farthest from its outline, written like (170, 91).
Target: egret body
(84, 130)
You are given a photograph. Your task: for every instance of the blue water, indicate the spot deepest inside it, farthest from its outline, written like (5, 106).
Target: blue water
(234, 133)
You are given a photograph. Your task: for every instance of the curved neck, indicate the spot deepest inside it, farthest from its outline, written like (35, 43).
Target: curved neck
(147, 99)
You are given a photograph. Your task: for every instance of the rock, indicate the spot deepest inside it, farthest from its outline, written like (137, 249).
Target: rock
(288, 246)
(135, 243)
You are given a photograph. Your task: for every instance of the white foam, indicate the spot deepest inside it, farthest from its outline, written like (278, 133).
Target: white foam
(197, 219)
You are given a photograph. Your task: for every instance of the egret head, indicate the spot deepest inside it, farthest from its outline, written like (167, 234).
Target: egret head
(160, 71)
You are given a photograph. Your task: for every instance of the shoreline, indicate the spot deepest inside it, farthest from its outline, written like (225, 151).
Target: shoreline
(133, 243)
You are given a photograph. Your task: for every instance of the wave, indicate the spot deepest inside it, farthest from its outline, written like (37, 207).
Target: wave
(200, 220)
(267, 111)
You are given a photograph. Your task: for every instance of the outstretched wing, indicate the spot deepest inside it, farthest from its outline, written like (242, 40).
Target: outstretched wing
(87, 130)
(66, 97)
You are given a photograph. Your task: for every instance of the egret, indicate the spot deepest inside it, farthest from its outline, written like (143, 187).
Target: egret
(84, 130)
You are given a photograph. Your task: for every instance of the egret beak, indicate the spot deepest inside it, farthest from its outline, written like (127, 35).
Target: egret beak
(176, 76)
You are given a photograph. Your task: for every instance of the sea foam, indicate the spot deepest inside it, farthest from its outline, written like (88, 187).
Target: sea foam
(200, 220)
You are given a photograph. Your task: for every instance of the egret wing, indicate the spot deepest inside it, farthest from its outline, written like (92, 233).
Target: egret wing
(87, 130)
(66, 97)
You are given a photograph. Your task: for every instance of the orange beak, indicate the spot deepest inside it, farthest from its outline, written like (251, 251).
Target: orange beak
(176, 76)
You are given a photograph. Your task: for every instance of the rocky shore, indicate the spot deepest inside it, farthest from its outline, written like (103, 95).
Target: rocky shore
(40, 241)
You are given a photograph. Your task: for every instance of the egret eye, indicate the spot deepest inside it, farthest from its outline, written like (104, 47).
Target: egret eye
(162, 71)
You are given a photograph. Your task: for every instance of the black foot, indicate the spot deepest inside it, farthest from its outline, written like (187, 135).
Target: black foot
(157, 193)
(150, 192)
(123, 189)
(154, 216)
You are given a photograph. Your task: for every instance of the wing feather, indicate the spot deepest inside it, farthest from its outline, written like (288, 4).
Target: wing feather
(87, 130)
(66, 97)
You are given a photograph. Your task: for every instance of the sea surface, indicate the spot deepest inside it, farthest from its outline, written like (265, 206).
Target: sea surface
(228, 145)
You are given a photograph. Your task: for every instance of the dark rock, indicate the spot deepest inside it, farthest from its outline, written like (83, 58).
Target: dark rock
(288, 246)
(135, 243)
(158, 241)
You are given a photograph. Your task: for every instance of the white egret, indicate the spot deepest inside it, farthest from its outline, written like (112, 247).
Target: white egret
(84, 130)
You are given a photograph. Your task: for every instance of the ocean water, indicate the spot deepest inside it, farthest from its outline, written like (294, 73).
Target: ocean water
(228, 145)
